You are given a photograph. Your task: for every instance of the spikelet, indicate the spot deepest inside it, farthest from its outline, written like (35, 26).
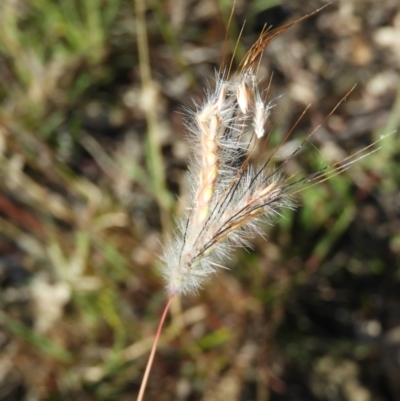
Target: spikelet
(261, 114)
(229, 196)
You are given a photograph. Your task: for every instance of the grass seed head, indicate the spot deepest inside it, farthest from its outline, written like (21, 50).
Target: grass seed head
(230, 196)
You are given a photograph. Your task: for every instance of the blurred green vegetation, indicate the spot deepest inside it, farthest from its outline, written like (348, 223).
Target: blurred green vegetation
(92, 161)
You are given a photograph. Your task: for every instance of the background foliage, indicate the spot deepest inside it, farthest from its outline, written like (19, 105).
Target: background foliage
(92, 161)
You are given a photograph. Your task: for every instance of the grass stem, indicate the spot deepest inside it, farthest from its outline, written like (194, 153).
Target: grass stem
(154, 156)
(153, 350)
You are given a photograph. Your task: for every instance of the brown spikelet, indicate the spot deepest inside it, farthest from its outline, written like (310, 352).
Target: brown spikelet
(267, 36)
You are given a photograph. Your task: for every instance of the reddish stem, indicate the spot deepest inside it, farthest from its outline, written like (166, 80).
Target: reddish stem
(153, 350)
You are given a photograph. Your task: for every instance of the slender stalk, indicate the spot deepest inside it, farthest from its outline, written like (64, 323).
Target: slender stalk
(154, 158)
(153, 350)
